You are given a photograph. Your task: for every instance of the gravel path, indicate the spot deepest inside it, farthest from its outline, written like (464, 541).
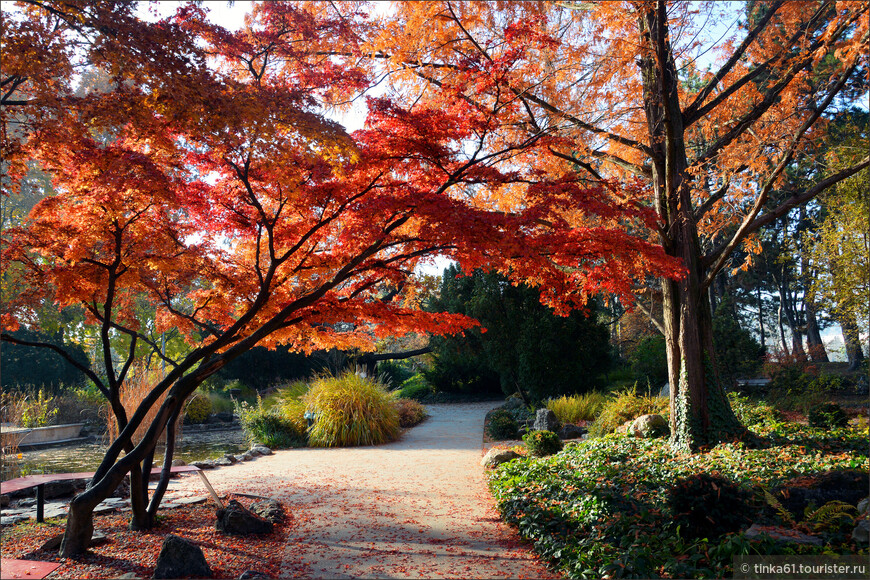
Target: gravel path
(415, 508)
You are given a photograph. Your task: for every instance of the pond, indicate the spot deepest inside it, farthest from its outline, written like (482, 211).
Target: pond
(193, 446)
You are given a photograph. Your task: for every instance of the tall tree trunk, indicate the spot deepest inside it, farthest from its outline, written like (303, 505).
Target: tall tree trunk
(815, 346)
(852, 340)
(782, 341)
(760, 317)
(700, 413)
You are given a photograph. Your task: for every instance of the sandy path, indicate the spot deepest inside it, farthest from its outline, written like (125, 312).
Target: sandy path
(415, 508)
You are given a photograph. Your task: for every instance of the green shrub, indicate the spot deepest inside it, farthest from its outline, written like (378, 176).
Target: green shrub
(624, 406)
(394, 373)
(753, 414)
(576, 408)
(270, 427)
(220, 403)
(410, 412)
(198, 409)
(38, 409)
(827, 415)
(501, 425)
(705, 505)
(350, 410)
(415, 388)
(542, 443)
(286, 393)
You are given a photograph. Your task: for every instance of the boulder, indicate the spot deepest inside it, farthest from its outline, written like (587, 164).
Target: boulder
(235, 519)
(861, 533)
(496, 457)
(222, 462)
(63, 488)
(650, 427)
(784, 535)
(178, 462)
(261, 449)
(180, 558)
(863, 505)
(545, 420)
(223, 417)
(269, 509)
(569, 431)
(231, 458)
(207, 464)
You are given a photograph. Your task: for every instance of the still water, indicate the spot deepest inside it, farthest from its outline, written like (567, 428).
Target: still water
(192, 446)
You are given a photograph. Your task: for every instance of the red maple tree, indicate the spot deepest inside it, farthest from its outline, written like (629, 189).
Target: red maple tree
(206, 183)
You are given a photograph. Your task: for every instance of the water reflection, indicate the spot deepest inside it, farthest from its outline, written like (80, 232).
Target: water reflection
(193, 446)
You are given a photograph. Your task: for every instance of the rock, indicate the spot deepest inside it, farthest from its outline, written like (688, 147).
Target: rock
(545, 420)
(241, 457)
(231, 458)
(649, 427)
(861, 533)
(863, 505)
(191, 500)
(10, 520)
(625, 427)
(222, 462)
(123, 489)
(224, 417)
(269, 509)
(63, 488)
(178, 462)
(262, 449)
(253, 452)
(207, 464)
(246, 456)
(496, 457)
(569, 431)
(847, 485)
(252, 575)
(235, 519)
(782, 535)
(180, 558)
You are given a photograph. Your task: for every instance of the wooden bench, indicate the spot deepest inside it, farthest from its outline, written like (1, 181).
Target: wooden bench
(11, 568)
(39, 481)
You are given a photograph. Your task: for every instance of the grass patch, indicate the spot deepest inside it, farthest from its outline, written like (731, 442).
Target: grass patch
(576, 409)
(605, 507)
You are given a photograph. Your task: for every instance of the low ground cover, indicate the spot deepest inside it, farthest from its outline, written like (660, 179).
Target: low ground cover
(605, 507)
(126, 551)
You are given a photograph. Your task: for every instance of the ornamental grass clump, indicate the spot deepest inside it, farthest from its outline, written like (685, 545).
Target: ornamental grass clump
(350, 410)
(576, 408)
(276, 428)
(410, 412)
(625, 406)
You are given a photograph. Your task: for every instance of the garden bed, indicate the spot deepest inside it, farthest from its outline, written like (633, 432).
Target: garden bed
(600, 508)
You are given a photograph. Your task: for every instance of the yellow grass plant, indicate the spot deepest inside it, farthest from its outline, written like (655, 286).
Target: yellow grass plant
(577, 408)
(350, 410)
